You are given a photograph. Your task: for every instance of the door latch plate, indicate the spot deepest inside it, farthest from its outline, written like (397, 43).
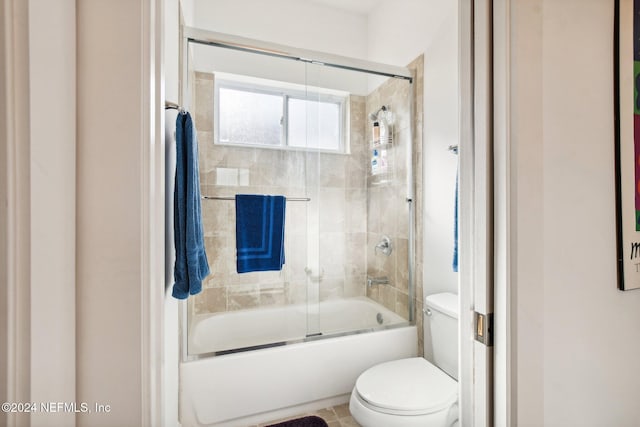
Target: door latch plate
(484, 328)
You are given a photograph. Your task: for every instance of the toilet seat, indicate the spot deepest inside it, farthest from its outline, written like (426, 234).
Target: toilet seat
(406, 387)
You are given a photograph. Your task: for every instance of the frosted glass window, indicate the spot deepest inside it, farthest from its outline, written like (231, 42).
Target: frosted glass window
(251, 118)
(314, 124)
(279, 116)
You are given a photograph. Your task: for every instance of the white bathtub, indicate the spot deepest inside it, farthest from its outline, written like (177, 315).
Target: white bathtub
(250, 387)
(261, 326)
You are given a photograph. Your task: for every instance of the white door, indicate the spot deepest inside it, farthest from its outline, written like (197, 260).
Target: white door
(476, 214)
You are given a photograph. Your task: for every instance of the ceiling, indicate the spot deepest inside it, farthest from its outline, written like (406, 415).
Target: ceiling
(362, 7)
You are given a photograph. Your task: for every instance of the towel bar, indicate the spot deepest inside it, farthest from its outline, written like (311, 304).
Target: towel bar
(289, 199)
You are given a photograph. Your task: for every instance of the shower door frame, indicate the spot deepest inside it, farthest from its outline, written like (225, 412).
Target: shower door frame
(216, 39)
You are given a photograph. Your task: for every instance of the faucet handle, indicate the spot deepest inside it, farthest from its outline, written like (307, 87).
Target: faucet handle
(384, 245)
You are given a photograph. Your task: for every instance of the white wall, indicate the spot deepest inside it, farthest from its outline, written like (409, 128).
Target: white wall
(38, 193)
(188, 11)
(289, 22)
(52, 114)
(14, 207)
(171, 40)
(4, 221)
(5, 118)
(577, 335)
(118, 156)
(398, 32)
(526, 135)
(109, 257)
(15, 216)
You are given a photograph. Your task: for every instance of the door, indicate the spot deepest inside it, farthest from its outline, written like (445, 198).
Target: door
(476, 213)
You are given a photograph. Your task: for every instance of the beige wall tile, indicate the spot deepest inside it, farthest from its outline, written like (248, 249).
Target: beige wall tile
(204, 104)
(297, 292)
(240, 297)
(402, 304)
(273, 294)
(332, 170)
(356, 210)
(355, 255)
(402, 265)
(373, 292)
(331, 288)
(216, 299)
(332, 253)
(388, 296)
(356, 169)
(355, 286)
(332, 212)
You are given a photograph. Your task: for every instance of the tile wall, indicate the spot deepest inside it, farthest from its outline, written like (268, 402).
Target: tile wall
(387, 208)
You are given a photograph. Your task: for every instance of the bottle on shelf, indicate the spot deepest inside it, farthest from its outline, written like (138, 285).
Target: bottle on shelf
(376, 133)
(379, 162)
(384, 131)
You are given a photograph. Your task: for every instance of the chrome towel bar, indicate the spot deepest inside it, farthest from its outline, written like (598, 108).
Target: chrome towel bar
(289, 199)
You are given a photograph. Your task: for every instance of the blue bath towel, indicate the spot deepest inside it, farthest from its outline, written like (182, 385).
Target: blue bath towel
(259, 232)
(455, 229)
(191, 265)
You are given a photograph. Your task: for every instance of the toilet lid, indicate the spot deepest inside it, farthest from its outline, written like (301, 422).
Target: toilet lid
(407, 386)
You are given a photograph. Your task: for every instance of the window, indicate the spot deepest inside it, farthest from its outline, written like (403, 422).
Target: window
(314, 124)
(270, 114)
(247, 117)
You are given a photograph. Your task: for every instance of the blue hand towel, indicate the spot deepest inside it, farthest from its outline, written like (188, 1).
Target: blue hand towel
(455, 229)
(259, 232)
(191, 265)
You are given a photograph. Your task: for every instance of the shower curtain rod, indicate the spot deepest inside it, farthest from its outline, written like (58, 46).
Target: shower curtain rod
(229, 41)
(289, 199)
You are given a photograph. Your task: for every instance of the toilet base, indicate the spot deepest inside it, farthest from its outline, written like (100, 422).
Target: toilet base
(368, 417)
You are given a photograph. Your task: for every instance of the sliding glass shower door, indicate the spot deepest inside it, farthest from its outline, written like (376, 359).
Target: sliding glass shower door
(336, 143)
(363, 187)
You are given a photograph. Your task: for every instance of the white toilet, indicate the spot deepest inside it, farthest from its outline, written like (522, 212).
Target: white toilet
(413, 392)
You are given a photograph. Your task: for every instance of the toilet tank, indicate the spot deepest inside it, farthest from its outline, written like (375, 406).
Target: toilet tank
(441, 313)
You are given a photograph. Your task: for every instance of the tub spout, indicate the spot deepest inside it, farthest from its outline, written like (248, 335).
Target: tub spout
(384, 280)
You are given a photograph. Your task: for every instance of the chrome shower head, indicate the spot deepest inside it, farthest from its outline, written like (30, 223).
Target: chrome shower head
(374, 116)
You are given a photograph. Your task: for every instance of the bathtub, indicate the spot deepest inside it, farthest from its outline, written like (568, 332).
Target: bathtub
(308, 373)
(275, 325)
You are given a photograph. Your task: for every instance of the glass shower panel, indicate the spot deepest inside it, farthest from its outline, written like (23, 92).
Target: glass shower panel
(362, 212)
(239, 102)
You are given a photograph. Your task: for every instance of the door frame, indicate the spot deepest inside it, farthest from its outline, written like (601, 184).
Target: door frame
(485, 374)
(15, 253)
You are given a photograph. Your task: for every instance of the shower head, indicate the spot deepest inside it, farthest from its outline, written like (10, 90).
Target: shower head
(374, 116)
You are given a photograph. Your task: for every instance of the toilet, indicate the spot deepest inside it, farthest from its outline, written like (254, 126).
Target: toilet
(414, 392)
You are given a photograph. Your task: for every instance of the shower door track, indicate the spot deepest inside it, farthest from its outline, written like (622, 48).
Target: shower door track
(229, 41)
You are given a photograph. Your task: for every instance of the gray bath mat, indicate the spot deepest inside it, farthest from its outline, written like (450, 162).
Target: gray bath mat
(311, 421)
